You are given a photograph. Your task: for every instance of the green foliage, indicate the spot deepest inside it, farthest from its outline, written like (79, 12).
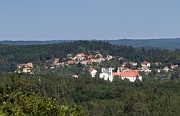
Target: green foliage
(14, 102)
(96, 96)
(30, 104)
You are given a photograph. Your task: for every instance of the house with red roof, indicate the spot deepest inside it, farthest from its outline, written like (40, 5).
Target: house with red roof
(72, 62)
(92, 72)
(174, 66)
(85, 62)
(157, 63)
(80, 56)
(56, 60)
(98, 60)
(145, 64)
(166, 68)
(131, 75)
(30, 64)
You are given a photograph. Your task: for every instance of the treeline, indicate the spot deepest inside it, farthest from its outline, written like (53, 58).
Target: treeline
(103, 98)
(11, 55)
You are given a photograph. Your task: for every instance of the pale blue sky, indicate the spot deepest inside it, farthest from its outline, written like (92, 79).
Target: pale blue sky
(88, 19)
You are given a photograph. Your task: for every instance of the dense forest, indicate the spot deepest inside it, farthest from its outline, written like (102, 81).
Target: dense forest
(54, 92)
(93, 96)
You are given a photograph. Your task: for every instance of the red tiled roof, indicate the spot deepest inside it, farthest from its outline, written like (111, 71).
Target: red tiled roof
(91, 69)
(88, 61)
(72, 62)
(126, 74)
(145, 63)
(21, 64)
(174, 66)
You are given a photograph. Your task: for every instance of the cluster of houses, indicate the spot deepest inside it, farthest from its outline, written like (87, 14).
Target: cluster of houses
(126, 73)
(25, 68)
(79, 58)
(107, 74)
(145, 66)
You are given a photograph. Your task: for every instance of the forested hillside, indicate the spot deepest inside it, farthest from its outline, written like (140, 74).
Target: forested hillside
(11, 55)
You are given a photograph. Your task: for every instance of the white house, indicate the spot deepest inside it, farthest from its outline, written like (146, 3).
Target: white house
(92, 72)
(106, 74)
(75, 76)
(166, 68)
(133, 63)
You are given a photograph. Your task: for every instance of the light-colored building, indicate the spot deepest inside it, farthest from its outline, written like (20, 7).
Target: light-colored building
(80, 56)
(133, 63)
(72, 62)
(86, 62)
(56, 60)
(29, 64)
(174, 66)
(145, 64)
(109, 57)
(75, 76)
(166, 68)
(131, 75)
(92, 72)
(26, 70)
(106, 74)
(157, 63)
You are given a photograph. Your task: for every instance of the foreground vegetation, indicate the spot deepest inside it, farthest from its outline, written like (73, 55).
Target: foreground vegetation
(27, 94)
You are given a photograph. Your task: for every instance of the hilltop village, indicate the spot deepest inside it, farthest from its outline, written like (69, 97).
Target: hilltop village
(126, 70)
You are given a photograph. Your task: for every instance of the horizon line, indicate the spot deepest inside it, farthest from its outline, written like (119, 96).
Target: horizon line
(96, 39)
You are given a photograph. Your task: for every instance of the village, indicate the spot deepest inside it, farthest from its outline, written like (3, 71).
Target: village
(127, 70)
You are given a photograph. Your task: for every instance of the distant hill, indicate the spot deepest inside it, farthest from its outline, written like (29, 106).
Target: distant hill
(170, 43)
(33, 42)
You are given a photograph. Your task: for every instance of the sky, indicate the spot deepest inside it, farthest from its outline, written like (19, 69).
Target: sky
(89, 19)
